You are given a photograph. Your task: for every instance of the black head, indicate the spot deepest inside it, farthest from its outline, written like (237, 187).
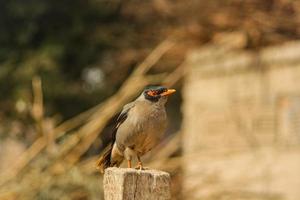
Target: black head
(154, 93)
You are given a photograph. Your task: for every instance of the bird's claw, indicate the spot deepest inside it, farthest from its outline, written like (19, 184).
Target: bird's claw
(140, 167)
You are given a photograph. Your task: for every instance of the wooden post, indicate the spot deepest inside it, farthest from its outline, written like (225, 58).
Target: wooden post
(131, 184)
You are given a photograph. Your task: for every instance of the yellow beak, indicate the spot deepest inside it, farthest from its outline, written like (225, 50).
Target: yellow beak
(168, 92)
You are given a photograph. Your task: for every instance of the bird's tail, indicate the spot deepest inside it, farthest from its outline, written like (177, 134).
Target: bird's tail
(110, 158)
(104, 160)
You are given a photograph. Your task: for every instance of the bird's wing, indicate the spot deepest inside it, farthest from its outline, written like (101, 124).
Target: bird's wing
(121, 118)
(106, 159)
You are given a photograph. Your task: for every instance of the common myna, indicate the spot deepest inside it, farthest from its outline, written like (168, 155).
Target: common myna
(140, 126)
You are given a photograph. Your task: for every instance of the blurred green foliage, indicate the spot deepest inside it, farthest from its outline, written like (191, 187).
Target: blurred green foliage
(56, 40)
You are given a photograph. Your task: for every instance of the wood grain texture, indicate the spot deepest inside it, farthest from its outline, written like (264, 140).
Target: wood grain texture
(131, 184)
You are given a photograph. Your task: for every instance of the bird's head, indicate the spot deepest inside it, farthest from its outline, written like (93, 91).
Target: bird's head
(157, 93)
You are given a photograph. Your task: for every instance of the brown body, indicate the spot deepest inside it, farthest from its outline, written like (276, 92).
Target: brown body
(142, 130)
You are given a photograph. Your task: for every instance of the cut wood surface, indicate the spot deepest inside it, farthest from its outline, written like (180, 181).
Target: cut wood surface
(131, 184)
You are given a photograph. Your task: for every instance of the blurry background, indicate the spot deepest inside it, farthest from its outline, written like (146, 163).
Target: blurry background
(68, 67)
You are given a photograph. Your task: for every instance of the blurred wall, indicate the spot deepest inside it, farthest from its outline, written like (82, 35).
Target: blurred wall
(242, 123)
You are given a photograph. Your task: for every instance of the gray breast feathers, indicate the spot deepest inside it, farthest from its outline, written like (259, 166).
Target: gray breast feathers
(143, 128)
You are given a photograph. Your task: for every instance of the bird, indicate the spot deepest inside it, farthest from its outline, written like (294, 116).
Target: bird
(140, 126)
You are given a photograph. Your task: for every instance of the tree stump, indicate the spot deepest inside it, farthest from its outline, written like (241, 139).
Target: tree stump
(131, 184)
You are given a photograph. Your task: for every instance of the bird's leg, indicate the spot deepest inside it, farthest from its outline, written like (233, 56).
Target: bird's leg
(140, 164)
(129, 163)
(128, 156)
